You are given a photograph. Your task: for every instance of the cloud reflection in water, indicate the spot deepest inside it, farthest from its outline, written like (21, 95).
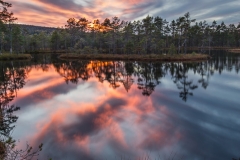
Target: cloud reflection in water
(91, 120)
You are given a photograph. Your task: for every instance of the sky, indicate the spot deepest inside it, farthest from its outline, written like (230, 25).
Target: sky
(55, 13)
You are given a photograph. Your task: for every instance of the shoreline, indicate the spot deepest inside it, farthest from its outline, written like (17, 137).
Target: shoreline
(135, 57)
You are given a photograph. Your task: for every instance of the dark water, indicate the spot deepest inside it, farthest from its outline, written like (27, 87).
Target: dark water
(127, 110)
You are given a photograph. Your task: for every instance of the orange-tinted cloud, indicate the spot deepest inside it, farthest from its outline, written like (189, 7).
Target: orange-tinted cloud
(56, 12)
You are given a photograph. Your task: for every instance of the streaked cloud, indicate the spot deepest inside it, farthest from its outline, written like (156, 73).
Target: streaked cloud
(56, 12)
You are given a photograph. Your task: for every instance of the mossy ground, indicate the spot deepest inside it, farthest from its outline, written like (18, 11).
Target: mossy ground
(14, 56)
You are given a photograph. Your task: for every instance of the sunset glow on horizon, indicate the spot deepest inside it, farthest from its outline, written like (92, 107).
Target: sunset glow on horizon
(55, 13)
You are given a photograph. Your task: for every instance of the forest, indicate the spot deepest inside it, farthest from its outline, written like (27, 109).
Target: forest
(149, 35)
(115, 38)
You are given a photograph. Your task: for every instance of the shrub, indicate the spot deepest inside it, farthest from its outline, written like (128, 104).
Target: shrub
(95, 51)
(172, 49)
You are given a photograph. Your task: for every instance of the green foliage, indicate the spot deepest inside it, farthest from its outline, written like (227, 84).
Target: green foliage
(87, 50)
(160, 44)
(95, 51)
(80, 44)
(55, 39)
(78, 51)
(172, 49)
(18, 39)
(129, 47)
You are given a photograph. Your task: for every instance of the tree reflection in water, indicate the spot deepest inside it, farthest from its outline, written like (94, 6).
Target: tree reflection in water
(182, 81)
(147, 75)
(12, 78)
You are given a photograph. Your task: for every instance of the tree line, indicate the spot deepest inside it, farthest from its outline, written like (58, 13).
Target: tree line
(149, 35)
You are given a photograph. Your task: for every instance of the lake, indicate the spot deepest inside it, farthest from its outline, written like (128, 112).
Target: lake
(126, 110)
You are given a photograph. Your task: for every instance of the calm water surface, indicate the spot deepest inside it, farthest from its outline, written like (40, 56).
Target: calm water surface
(129, 110)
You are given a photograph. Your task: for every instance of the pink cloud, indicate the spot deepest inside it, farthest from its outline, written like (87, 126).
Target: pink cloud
(54, 13)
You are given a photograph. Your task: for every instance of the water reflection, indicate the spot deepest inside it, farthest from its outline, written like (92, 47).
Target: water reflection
(147, 75)
(131, 110)
(12, 78)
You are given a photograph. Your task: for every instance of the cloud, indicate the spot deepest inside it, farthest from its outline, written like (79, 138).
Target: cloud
(56, 12)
